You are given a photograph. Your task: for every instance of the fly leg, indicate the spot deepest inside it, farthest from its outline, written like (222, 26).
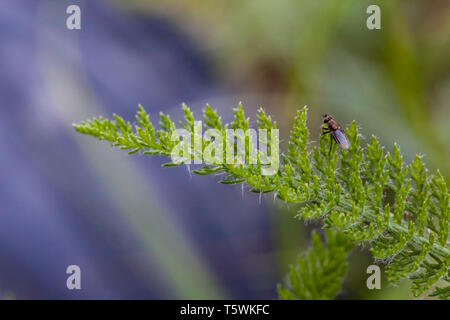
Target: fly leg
(331, 144)
(325, 131)
(328, 131)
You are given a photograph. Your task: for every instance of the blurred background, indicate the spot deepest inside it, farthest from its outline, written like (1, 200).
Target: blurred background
(139, 231)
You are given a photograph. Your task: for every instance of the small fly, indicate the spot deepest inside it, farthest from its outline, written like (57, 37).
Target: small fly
(336, 133)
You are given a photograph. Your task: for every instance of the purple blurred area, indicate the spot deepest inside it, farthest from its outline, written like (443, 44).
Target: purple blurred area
(66, 199)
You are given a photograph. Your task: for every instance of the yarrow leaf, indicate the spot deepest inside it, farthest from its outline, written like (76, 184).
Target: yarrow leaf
(399, 210)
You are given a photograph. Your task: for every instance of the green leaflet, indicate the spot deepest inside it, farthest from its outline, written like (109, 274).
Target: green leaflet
(319, 273)
(346, 189)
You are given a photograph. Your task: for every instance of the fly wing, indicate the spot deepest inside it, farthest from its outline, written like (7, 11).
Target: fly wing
(341, 139)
